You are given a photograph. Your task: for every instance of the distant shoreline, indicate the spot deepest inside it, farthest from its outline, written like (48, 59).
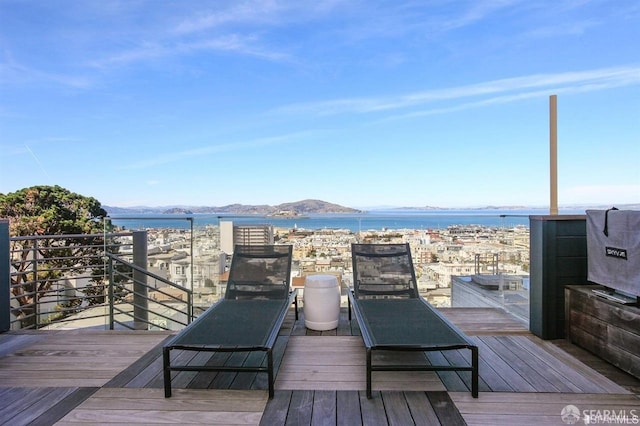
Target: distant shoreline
(355, 222)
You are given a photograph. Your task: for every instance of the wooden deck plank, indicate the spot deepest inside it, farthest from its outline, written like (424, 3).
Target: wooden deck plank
(329, 362)
(606, 384)
(151, 376)
(12, 342)
(462, 357)
(348, 408)
(552, 397)
(245, 380)
(550, 369)
(53, 414)
(622, 378)
(11, 395)
(338, 363)
(502, 408)
(450, 379)
(324, 408)
(204, 379)
(33, 404)
(445, 409)
(275, 413)
(181, 379)
(70, 358)
(396, 408)
(49, 382)
(188, 399)
(487, 371)
(7, 376)
(336, 357)
(503, 369)
(138, 366)
(186, 406)
(344, 328)
(421, 410)
(300, 408)
(574, 381)
(485, 321)
(299, 328)
(224, 379)
(261, 380)
(373, 413)
(519, 364)
(508, 420)
(166, 416)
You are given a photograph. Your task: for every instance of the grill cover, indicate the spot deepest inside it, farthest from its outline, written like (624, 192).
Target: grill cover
(613, 249)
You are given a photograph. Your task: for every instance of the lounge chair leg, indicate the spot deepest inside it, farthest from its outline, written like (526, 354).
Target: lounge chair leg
(270, 372)
(166, 361)
(368, 373)
(474, 372)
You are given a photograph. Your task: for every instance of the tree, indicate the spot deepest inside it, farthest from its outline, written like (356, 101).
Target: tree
(52, 211)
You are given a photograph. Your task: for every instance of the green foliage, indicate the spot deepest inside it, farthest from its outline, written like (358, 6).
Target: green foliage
(50, 210)
(47, 211)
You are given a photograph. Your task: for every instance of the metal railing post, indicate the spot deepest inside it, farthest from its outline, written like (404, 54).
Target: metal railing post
(36, 290)
(111, 294)
(140, 300)
(5, 277)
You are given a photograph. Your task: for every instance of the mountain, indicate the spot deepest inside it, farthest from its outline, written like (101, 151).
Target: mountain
(286, 209)
(177, 210)
(314, 206)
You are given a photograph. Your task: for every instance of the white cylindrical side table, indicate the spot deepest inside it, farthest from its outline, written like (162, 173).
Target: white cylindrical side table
(321, 302)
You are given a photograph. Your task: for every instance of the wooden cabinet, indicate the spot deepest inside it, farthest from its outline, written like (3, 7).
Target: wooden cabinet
(603, 327)
(558, 258)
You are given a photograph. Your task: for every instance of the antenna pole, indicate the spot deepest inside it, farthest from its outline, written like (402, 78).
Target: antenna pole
(553, 148)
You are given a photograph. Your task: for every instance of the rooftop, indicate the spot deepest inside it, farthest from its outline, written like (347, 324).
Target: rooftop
(98, 376)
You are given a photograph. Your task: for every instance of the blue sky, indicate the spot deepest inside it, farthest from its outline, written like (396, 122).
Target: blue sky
(361, 103)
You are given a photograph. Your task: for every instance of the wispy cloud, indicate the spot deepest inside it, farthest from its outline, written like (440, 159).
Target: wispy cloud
(37, 161)
(241, 28)
(244, 12)
(22, 148)
(478, 11)
(172, 157)
(234, 43)
(564, 29)
(12, 72)
(258, 13)
(503, 90)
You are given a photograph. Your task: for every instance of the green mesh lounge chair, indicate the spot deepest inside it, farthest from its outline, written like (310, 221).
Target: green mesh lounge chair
(247, 319)
(393, 317)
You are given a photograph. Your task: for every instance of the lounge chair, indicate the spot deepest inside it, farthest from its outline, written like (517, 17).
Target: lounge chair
(393, 317)
(247, 319)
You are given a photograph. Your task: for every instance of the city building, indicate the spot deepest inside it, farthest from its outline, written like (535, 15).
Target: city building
(232, 235)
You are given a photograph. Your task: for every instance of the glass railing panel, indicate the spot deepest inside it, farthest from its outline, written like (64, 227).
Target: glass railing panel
(56, 279)
(444, 244)
(183, 249)
(462, 258)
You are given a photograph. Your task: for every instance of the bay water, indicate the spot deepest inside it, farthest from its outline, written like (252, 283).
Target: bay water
(373, 220)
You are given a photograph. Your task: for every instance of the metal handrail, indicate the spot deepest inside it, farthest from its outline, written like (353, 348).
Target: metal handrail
(40, 293)
(118, 297)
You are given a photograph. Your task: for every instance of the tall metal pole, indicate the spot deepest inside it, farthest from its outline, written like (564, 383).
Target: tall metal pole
(140, 288)
(5, 276)
(553, 148)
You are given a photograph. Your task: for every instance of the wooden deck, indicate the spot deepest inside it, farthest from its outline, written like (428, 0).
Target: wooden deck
(114, 377)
